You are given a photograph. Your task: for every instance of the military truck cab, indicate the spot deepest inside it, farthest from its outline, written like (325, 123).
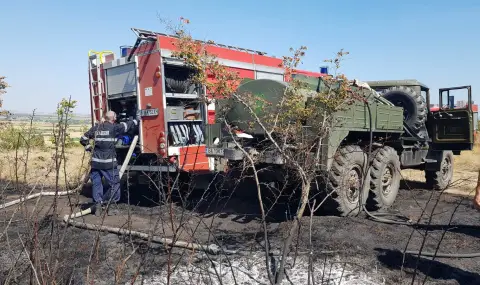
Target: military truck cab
(449, 127)
(436, 135)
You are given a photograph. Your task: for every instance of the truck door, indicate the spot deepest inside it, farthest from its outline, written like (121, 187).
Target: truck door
(451, 125)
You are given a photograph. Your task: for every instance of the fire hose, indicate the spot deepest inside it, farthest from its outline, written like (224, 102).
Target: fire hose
(68, 219)
(87, 211)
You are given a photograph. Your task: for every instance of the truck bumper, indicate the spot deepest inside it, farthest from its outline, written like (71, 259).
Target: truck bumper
(231, 154)
(151, 168)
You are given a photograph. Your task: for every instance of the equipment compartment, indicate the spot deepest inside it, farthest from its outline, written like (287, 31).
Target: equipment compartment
(178, 80)
(124, 108)
(184, 119)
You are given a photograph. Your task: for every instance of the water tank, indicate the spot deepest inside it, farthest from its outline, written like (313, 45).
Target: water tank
(264, 96)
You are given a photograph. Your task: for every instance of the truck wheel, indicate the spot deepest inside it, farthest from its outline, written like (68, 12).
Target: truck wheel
(413, 104)
(384, 178)
(439, 180)
(345, 180)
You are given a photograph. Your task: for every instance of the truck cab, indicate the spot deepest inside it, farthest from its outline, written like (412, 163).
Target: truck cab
(450, 126)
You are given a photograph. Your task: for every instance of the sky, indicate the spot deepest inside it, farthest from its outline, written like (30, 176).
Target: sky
(44, 45)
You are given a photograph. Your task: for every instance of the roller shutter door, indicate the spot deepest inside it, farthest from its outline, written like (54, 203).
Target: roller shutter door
(268, 75)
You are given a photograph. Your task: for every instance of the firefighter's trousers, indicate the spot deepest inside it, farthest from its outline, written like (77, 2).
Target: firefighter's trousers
(113, 180)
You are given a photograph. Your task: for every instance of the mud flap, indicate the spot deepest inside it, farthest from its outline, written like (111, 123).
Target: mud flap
(433, 160)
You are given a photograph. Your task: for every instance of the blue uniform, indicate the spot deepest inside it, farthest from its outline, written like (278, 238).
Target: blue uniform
(104, 161)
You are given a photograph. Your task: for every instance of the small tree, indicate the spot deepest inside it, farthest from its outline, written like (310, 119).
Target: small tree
(295, 127)
(3, 86)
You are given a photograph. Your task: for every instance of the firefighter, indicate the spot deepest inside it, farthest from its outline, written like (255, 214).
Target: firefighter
(104, 162)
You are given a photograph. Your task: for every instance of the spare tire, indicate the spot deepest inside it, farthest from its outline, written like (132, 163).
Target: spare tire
(413, 104)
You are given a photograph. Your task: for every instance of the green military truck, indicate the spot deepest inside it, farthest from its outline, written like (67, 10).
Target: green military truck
(405, 134)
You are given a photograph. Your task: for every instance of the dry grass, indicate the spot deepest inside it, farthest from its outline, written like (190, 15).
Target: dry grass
(41, 162)
(45, 129)
(41, 166)
(469, 160)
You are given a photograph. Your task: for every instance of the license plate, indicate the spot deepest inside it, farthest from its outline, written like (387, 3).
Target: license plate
(215, 151)
(149, 112)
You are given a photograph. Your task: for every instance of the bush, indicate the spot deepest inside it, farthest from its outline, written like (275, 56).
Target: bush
(13, 138)
(69, 142)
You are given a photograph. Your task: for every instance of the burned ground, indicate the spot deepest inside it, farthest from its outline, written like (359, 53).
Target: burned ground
(358, 246)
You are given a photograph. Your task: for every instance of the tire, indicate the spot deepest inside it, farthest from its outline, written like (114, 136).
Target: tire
(413, 104)
(385, 162)
(439, 180)
(349, 162)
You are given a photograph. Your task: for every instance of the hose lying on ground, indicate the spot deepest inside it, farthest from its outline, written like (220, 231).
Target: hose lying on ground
(376, 217)
(68, 219)
(41, 194)
(212, 248)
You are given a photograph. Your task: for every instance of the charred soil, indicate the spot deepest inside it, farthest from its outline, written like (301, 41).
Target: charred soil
(33, 233)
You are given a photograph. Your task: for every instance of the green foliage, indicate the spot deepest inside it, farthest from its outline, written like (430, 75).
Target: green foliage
(84, 129)
(218, 79)
(69, 142)
(3, 85)
(65, 108)
(64, 113)
(14, 138)
(301, 105)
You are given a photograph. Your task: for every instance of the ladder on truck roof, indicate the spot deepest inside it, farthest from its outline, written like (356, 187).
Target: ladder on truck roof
(97, 86)
(146, 34)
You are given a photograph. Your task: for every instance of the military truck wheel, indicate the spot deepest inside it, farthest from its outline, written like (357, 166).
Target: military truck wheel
(384, 178)
(345, 180)
(413, 104)
(439, 180)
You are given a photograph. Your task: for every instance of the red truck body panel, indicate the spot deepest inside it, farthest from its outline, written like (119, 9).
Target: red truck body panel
(167, 43)
(152, 127)
(150, 93)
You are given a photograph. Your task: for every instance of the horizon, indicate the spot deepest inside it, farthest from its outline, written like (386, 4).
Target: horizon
(412, 42)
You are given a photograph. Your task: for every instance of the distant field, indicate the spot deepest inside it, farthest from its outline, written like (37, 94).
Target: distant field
(40, 160)
(46, 129)
(41, 166)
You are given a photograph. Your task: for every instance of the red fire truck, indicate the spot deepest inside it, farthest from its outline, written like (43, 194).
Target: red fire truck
(147, 81)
